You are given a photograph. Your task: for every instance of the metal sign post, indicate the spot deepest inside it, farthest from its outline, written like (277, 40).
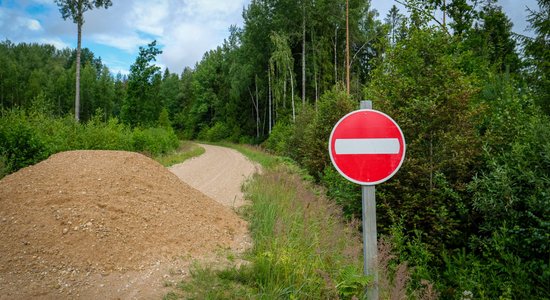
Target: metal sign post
(370, 245)
(367, 147)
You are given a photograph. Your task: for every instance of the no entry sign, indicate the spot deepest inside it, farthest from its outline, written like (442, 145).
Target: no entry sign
(367, 147)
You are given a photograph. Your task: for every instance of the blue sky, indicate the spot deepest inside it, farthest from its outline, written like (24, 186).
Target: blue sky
(184, 29)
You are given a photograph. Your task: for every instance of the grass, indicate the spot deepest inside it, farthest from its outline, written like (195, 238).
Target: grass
(254, 153)
(185, 151)
(302, 249)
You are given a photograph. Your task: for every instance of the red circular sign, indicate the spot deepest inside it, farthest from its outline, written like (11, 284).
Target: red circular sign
(367, 147)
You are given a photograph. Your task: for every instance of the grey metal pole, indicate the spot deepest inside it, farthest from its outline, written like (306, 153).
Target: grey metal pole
(370, 248)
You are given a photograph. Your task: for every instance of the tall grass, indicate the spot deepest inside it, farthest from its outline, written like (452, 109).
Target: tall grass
(185, 151)
(302, 247)
(302, 250)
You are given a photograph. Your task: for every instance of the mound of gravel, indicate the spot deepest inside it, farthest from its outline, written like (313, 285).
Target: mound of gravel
(103, 211)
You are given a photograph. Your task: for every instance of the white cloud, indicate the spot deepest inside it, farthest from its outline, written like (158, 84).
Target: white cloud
(45, 2)
(149, 17)
(184, 29)
(127, 43)
(186, 45)
(194, 27)
(57, 42)
(33, 25)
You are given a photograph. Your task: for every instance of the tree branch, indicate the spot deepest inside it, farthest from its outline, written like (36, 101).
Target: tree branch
(407, 5)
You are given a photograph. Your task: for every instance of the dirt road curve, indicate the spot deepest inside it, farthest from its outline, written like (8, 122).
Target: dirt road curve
(219, 173)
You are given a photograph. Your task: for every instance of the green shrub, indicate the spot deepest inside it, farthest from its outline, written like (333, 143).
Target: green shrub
(203, 133)
(333, 105)
(4, 166)
(20, 145)
(344, 192)
(218, 132)
(278, 139)
(26, 139)
(154, 141)
(164, 119)
(112, 135)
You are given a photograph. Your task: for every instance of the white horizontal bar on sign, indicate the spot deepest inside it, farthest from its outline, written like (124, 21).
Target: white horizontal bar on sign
(367, 146)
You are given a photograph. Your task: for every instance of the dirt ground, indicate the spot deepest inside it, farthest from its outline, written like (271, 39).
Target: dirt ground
(107, 225)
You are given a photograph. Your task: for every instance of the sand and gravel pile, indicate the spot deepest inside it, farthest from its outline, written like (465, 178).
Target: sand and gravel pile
(82, 212)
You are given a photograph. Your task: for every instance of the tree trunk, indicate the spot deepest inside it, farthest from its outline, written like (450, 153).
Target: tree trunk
(255, 105)
(292, 95)
(347, 46)
(257, 108)
(314, 60)
(269, 98)
(284, 92)
(444, 8)
(431, 162)
(304, 53)
(77, 88)
(335, 55)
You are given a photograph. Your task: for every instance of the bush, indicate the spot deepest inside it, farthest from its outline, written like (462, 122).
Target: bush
(108, 136)
(4, 167)
(343, 191)
(278, 139)
(20, 145)
(25, 139)
(154, 141)
(218, 132)
(333, 105)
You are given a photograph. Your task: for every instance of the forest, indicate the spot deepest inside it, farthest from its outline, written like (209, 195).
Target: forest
(468, 210)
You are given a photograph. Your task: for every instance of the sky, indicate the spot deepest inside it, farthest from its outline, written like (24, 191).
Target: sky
(184, 29)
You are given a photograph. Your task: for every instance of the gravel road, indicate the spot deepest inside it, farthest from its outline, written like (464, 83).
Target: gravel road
(219, 173)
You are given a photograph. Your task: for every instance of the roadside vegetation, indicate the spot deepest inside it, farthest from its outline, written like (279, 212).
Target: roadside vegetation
(27, 137)
(186, 150)
(302, 249)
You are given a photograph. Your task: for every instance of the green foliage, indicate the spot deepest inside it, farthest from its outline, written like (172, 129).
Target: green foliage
(20, 145)
(512, 200)
(332, 106)
(164, 119)
(278, 139)
(4, 167)
(218, 132)
(74, 10)
(344, 192)
(185, 151)
(309, 137)
(26, 139)
(111, 135)
(495, 272)
(496, 42)
(142, 105)
(40, 78)
(351, 282)
(421, 87)
(154, 141)
(537, 50)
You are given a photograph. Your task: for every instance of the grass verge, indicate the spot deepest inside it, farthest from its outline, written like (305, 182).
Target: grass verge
(302, 249)
(186, 150)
